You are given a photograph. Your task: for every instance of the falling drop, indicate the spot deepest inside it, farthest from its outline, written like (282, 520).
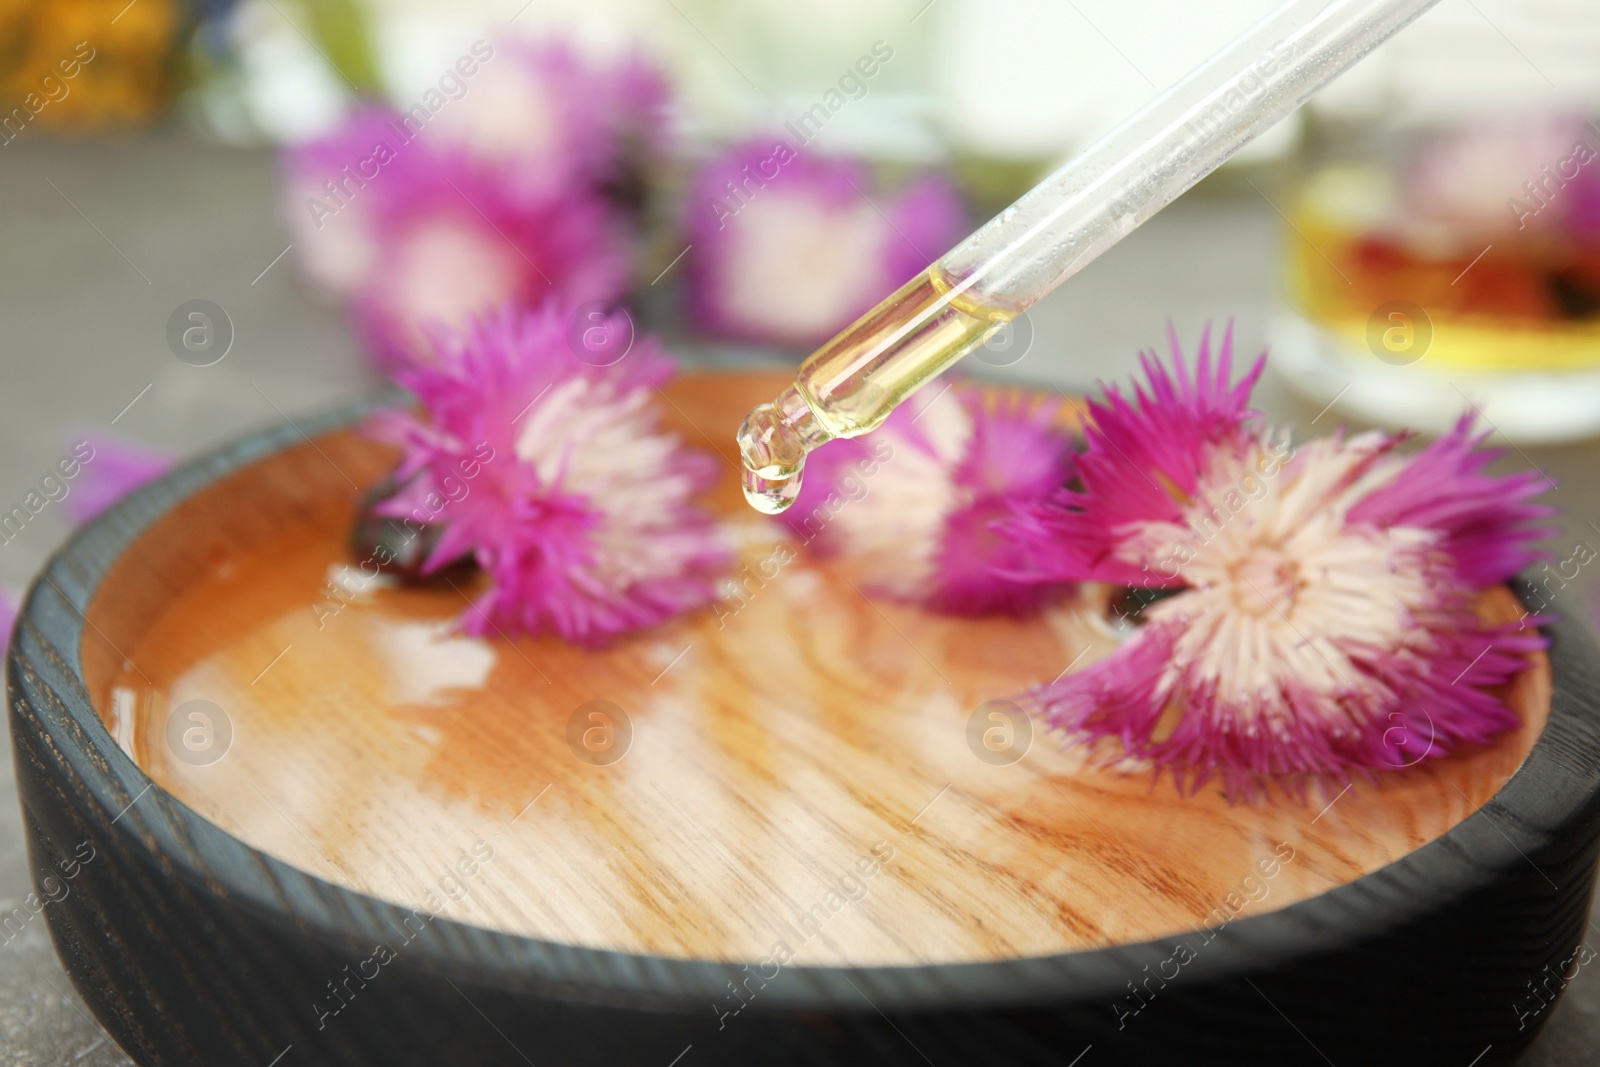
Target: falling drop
(773, 443)
(770, 490)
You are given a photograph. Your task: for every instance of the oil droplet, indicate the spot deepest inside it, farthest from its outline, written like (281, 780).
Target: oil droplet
(849, 385)
(772, 489)
(772, 449)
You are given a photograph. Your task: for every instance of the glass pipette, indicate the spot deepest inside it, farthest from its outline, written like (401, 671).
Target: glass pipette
(849, 385)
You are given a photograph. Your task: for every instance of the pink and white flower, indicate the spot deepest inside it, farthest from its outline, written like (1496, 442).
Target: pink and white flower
(520, 188)
(548, 118)
(914, 503)
(452, 242)
(1323, 619)
(332, 190)
(790, 247)
(558, 479)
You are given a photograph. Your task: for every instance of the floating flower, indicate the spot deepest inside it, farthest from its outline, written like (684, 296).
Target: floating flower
(556, 477)
(914, 503)
(1320, 616)
(453, 243)
(790, 247)
(117, 469)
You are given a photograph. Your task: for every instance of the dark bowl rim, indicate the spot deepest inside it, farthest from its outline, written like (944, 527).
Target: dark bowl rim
(1547, 792)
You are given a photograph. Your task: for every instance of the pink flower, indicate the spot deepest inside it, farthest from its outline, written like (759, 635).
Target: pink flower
(515, 188)
(454, 243)
(332, 189)
(115, 469)
(915, 502)
(550, 119)
(1322, 619)
(790, 247)
(557, 478)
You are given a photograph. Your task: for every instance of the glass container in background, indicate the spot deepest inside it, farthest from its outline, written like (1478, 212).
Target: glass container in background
(1443, 240)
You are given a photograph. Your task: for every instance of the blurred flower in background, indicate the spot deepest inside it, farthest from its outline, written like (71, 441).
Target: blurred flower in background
(790, 247)
(448, 247)
(333, 227)
(1482, 180)
(515, 177)
(529, 168)
(544, 117)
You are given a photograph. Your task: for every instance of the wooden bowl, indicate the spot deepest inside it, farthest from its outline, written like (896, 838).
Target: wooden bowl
(289, 816)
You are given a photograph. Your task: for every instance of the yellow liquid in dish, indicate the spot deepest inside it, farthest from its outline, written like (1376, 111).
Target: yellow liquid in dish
(849, 385)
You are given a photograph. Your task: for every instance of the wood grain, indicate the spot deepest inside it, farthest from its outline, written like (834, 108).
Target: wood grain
(773, 748)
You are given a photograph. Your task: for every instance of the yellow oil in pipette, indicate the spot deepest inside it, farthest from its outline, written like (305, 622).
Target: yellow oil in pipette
(849, 385)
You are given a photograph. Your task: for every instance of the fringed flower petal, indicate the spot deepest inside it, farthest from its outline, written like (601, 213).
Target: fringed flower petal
(1486, 519)
(1144, 460)
(557, 478)
(1323, 618)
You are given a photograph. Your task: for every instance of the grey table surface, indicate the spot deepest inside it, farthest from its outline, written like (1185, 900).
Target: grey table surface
(100, 242)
